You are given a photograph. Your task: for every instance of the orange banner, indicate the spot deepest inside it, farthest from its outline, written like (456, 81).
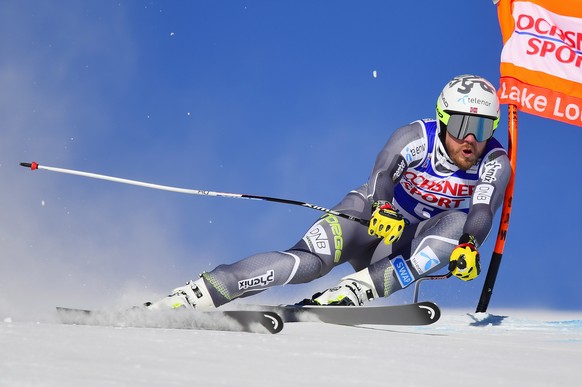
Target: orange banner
(541, 61)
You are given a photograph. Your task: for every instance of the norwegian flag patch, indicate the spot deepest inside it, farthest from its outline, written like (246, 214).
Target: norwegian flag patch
(474, 110)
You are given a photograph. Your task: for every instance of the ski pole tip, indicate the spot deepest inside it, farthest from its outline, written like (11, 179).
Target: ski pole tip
(32, 166)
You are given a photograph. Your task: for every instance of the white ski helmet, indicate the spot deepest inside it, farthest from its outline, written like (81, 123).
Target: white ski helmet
(467, 105)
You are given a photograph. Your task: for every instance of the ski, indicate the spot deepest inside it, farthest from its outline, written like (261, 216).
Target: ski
(420, 313)
(257, 318)
(232, 320)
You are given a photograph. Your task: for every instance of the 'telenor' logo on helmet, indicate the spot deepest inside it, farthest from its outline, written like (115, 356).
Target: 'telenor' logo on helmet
(466, 100)
(467, 82)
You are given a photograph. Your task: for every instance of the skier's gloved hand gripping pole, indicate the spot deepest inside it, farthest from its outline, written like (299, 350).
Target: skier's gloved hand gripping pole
(465, 260)
(34, 166)
(386, 222)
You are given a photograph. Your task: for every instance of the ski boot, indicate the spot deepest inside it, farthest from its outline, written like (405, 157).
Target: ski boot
(193, 295)
(353, 290)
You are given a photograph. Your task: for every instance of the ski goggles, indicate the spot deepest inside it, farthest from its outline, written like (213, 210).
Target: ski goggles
(461, 125)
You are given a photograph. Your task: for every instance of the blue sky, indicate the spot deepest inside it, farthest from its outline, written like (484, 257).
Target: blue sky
(273, 98)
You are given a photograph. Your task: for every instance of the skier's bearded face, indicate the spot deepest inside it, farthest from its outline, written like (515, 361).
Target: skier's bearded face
(465, 152)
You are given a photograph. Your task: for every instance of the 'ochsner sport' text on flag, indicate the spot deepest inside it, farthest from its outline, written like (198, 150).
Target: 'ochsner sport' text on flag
(541, 61)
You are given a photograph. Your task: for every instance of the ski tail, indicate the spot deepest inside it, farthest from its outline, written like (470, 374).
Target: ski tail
(235, 320)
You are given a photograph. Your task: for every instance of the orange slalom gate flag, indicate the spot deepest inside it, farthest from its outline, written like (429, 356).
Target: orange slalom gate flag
(541, 61)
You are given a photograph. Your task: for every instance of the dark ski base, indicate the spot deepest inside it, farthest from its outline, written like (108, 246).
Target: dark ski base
(237, 320)
(420, 313)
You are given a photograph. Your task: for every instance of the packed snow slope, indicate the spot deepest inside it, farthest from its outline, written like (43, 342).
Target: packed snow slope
(516, 348)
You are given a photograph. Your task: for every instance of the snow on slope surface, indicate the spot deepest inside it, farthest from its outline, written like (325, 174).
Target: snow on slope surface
(517, 348)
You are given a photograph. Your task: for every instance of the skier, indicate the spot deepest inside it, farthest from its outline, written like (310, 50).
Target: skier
(431, 196)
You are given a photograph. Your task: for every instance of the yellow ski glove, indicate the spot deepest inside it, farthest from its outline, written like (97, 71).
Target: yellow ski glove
(386, 222)
(465, 262)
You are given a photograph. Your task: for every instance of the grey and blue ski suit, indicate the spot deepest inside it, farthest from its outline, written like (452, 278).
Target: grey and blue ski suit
(440, 202)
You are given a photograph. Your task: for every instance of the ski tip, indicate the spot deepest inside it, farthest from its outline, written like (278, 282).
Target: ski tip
(432, 310)
(33, 166)
(273, 322)
(269, 320)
